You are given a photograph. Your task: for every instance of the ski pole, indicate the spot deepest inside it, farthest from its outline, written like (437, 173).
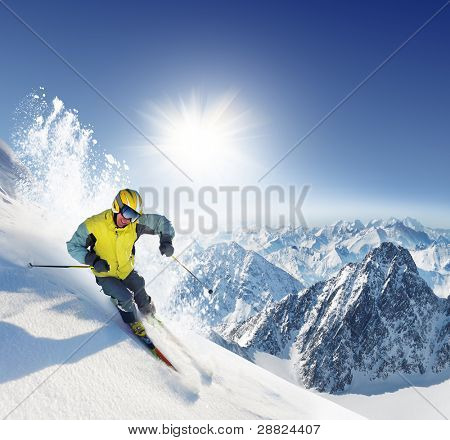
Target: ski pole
(210, 291)
(59, 267)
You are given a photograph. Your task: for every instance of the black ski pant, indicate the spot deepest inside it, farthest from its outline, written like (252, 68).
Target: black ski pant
(127, 293)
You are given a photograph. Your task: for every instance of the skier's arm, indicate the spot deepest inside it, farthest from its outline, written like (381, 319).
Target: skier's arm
(156, 225)
(78, 244)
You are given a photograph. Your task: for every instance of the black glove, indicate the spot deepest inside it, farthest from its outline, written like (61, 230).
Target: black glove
(101, 266)
(92, 259)
(165, 246)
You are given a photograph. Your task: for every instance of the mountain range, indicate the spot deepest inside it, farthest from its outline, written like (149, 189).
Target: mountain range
(372, 320)
(360, 312)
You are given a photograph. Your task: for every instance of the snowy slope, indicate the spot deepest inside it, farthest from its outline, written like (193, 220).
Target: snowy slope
(66, 358)
(10, 170)
(434, 264)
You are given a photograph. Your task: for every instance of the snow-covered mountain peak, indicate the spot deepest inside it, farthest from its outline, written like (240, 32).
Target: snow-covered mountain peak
(387, 255)
(243, 283)
(413, 224)
(343, 227)
(231, 249)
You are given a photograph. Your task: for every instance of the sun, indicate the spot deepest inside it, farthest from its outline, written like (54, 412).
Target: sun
(202, 135)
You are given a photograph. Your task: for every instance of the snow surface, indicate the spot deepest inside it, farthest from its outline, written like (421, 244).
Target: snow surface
(419, 403)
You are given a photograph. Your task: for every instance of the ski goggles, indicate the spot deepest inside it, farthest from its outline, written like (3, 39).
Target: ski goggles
(129, 214)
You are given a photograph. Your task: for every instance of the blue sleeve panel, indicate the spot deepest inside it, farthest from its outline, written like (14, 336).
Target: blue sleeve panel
(154, 224)
(77, 245)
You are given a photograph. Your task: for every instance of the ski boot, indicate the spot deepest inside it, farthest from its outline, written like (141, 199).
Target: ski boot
(138, 329)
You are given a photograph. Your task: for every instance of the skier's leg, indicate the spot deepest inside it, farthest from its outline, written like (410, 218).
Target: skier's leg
(136, 284)
(116, 289)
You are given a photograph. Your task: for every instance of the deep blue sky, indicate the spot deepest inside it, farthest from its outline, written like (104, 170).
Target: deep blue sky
(384, 152)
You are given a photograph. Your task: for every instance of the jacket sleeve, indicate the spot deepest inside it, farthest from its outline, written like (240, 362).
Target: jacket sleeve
(154, 224)
(78, 244)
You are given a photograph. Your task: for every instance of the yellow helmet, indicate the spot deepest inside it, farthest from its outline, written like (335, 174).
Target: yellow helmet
(130, 198)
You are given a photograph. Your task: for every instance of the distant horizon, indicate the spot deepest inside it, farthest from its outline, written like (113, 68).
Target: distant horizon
(365, 224)
(387, 219)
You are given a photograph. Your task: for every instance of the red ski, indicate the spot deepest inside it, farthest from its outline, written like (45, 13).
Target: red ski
(155, 351)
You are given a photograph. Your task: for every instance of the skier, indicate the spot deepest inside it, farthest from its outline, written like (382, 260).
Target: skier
(106, 242)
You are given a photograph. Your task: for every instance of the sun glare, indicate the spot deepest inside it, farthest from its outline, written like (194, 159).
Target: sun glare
(202, 135)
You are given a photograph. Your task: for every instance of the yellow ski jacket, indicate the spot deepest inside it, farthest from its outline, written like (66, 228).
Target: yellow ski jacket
(100, 234)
